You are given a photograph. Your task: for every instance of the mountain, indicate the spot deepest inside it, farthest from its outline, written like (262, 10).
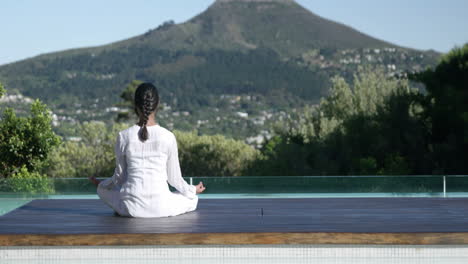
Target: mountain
(281, 25)
(275, 50)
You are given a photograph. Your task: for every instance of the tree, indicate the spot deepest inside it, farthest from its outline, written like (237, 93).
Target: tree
(368, 91)
(446, 109)
(25, 144)
(367, 127)
(128, 99)
(26, 141)
(393, 140)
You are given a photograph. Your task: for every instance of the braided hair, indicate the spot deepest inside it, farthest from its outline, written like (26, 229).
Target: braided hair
(146, 102)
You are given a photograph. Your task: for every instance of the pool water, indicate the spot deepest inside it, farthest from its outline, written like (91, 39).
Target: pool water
(10, 204)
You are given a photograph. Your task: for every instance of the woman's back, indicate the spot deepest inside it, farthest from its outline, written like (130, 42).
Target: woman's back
(147, 161)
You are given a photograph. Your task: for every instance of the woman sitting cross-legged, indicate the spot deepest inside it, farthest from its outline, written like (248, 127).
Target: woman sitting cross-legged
(146, 160)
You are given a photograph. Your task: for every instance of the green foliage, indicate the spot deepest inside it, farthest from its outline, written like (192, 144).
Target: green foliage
(2, 90)
(367, 166)
(93, 155)
(369, 127)
(26, 141)
(282, 156)
(392, 132)
(369, 89)
(395, 165)
(128, 101)
(24, 181)
(213, 155)
(446, 109)
(378, 125)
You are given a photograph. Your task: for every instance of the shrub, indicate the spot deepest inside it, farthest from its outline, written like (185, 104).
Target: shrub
(93, 155)
(26, 141)
(213, 155)
(24, 181)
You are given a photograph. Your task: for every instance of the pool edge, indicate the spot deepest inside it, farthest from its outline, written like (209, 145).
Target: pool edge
(454, 238)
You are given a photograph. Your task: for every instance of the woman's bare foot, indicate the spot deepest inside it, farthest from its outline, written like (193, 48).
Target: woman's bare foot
(94, 180)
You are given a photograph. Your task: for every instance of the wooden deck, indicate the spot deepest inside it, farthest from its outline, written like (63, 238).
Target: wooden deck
(409, 221)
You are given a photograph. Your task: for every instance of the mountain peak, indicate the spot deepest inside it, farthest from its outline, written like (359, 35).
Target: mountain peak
(255, 1)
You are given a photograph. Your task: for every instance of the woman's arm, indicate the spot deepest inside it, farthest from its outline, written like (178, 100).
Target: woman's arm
(120, 171)
(174, 175)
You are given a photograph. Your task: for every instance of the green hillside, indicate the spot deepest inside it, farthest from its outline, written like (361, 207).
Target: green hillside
(283, 26)
(274, 50)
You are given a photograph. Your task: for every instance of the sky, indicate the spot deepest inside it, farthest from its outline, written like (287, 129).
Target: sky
(32, 27)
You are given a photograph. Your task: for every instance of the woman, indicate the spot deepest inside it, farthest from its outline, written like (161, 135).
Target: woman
(146, 159)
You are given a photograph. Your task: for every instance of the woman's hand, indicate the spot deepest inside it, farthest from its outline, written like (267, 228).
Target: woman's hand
(200, 187)
(94, 180)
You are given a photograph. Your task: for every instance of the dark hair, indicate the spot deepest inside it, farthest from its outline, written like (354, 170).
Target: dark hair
(146, 101)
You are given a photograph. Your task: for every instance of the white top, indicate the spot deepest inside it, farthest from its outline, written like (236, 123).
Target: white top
(139, 185)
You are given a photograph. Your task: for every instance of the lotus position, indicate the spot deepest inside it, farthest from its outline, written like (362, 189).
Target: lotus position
(146, 160)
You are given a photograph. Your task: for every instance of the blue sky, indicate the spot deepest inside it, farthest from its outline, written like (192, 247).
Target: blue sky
(33, 27)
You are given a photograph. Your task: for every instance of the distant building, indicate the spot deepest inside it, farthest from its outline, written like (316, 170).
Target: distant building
(243, 114)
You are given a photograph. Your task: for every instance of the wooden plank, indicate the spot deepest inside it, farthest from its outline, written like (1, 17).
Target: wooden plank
(236, 239)
(240, 221)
